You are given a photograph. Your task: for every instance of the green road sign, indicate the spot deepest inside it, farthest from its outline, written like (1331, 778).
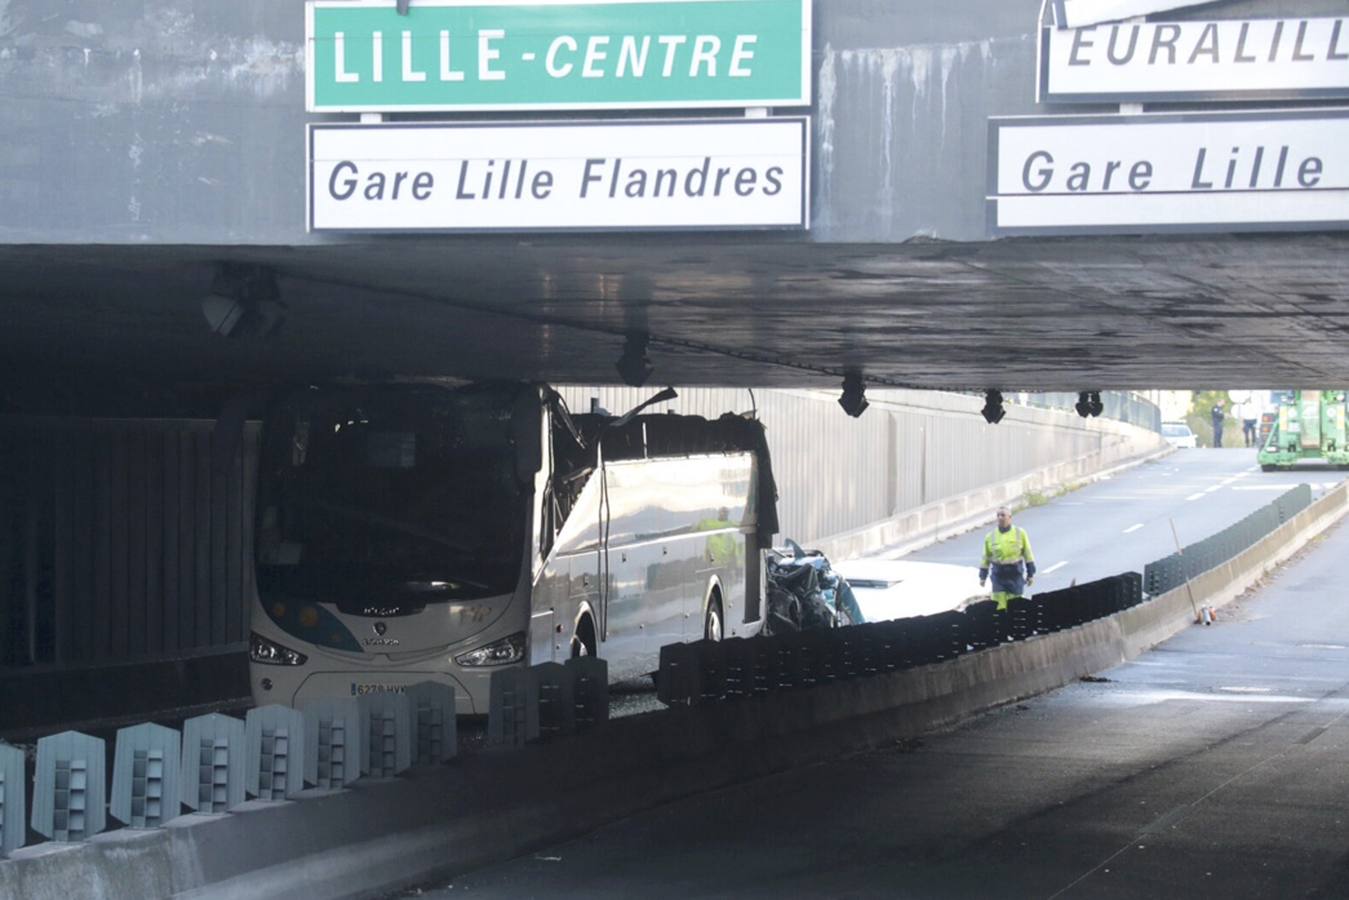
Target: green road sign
(460, 55)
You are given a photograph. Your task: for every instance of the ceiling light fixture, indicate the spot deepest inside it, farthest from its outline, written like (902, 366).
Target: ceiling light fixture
(993, 410)
(634, 365)
(854, 397)
(244, 302)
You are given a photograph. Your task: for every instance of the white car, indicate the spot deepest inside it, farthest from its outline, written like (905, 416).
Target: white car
(1178, 434)
(897, 589)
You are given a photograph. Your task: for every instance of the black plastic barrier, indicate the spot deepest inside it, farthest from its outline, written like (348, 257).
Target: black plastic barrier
(739, 668)
(1172, 571)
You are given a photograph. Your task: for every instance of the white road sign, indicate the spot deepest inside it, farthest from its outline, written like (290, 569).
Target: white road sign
(1256, 171)
(1237, 59)
(542, 176)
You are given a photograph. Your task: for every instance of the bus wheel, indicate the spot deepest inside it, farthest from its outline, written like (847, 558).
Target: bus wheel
(712, 627)
(583, 641)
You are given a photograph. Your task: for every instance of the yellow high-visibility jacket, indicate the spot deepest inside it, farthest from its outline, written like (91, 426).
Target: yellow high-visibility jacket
(1007, 547)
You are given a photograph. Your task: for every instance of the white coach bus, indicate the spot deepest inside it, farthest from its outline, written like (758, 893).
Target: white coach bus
(414, 532)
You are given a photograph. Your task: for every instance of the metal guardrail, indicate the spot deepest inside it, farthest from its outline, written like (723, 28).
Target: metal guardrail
(705, 671)
(218, 761)
(547, 700)
(709, 671)
(1173, 571)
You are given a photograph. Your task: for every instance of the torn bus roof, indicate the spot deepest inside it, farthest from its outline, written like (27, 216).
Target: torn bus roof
(668, 434)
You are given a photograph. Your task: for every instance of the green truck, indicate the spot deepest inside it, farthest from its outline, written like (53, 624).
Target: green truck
(1307, 425)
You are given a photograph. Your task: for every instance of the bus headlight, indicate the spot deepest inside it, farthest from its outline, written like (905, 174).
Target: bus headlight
(498, 653)
(270, 653)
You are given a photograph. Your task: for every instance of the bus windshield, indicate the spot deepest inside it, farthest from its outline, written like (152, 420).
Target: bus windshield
(391, 498)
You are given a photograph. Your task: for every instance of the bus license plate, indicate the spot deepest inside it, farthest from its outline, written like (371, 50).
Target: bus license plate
(360, 690)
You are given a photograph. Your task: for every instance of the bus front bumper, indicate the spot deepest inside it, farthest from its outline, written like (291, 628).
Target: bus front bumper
(472, 689)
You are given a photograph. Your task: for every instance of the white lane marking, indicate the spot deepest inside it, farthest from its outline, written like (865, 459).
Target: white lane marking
(1137, 698)
(1055, 567)
(1216, 487)
(1195, 496)
(1132, 528)
(1253, 469)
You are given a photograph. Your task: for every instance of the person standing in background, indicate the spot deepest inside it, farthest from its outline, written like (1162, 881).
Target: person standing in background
(1217, 415)
(1250, 418)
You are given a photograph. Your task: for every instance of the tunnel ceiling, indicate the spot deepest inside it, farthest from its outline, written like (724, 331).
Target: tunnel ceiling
(1042, 314)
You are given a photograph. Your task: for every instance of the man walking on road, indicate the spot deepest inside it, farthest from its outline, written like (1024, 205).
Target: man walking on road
(1217, 415)
(1008, 557)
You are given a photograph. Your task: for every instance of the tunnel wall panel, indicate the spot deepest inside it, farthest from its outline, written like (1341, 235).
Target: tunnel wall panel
(121, 540)
(909, 449)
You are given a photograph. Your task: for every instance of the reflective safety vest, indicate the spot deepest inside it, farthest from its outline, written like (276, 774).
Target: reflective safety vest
(1007, 547)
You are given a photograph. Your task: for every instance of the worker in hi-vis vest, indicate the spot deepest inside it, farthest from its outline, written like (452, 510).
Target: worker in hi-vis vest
(1008, 557)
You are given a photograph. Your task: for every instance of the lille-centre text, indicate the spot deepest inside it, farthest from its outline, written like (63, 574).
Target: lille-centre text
(702, 55)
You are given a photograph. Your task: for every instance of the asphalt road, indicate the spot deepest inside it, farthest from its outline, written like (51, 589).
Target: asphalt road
(1123, 523)
(1216, 765)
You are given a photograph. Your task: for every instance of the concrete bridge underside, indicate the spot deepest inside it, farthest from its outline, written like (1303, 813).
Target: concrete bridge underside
(1044, 314)
(145, 143)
